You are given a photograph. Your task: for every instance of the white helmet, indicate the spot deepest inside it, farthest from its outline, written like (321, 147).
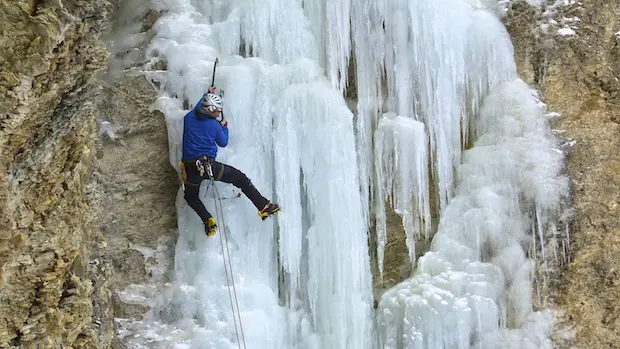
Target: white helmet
(211, 102)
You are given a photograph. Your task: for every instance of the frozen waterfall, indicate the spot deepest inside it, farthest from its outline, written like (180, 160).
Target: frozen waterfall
(440, 115)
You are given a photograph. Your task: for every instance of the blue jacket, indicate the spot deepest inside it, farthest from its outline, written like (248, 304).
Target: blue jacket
(202, 134)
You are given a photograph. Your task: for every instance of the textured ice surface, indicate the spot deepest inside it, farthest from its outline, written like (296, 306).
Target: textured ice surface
(474, 286)
(292, 133)
(431, 78)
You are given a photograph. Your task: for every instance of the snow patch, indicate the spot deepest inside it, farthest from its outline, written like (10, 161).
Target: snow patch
(566, 31)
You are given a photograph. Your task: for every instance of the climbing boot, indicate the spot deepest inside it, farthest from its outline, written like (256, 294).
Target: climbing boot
(268, 210)
(210, 226)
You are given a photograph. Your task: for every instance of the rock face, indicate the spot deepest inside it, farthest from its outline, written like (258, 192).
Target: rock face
(50, 295)
(81, 155)
(135, 182)
(138, 185)
(578, 77)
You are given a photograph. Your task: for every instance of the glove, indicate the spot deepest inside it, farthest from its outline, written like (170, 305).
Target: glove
(221, 119)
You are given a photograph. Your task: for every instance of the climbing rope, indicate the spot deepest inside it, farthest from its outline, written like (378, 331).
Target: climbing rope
(224, 242)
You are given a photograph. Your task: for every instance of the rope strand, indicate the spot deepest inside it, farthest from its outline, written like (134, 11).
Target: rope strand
(230, 265)
(217, 197)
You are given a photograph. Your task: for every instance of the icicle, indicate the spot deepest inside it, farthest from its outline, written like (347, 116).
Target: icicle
(330, 21)
(369, 52)
(477, 248)
(338, 265)
(287, 157)
(401, 149)
(434, 70)
(338, 19)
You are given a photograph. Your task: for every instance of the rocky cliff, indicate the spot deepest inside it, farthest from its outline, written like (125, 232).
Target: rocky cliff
(50, 295)
(571, 52)
(85, 191)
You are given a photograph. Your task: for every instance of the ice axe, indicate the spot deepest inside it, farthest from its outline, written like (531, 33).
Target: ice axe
(212, 87)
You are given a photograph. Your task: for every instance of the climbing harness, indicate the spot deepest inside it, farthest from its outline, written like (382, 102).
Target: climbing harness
(228, 271)
(202, 167)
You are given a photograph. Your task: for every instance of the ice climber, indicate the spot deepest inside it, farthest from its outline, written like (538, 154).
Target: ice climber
(204, 129)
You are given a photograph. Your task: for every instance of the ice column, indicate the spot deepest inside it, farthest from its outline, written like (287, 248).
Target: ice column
(474, 286)
(402, 177)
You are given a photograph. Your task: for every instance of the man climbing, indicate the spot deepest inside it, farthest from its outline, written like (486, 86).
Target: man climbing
(204, 129)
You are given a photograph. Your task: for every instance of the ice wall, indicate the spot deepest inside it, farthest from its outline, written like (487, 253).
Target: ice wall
(433, 78)
(473, 289)
(303, 277)
(433, 63)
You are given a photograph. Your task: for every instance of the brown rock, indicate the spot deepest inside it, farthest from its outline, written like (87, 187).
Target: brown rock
(578, 76)
(49, 52)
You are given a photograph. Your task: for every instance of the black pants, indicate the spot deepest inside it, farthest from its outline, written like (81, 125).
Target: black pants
(223, 173)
